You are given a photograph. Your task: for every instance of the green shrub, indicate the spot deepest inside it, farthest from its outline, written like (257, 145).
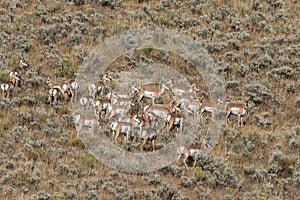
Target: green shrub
(282, 72)
(284, 165)
(258, 92)
(232, 85)
(199, 174)
(4, 76)
(58, 197)
(65, 69)
(263, 62)
(89, 159)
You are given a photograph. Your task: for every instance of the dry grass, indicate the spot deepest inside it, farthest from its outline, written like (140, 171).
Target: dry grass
(41, 158)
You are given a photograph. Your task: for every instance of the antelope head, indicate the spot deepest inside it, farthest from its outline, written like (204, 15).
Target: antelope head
(22, 64)
(48, 80)
(106, 77)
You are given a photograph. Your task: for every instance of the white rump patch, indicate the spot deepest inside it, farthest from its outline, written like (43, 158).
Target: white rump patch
(209, 109)
(235, 111)
(149, 94)
(177, 121)
(193, 152)
(83, 101)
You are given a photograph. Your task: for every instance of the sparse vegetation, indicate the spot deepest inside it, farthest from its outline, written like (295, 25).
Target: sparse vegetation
(255, 45)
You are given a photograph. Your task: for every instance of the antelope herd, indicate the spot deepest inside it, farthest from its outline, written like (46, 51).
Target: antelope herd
(115, 107)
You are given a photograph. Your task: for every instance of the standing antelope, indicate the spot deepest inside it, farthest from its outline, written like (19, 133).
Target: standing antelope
(205, 107)
(126, 94)
(176, 119)
(123, 128)
(181, 100)
(143, 119)
(126, 126)
(122, 101)
(192, 107)
(89, 121)
(86, 102)
(124, 119)
(236, 109)
(95, 88)
(118, 110)
(14, 78)
(159, 111)
(53, 95)
(17, 71)
(7, 89)
(148, 134)
(102, 105)
(74, 86)
(63, 88)
(193, 151)
(150, 92)
(181, 89)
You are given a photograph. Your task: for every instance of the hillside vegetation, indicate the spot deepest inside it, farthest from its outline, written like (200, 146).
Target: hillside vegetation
(255, 46)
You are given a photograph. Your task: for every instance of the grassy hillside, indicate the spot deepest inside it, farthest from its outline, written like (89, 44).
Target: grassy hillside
(255, 45)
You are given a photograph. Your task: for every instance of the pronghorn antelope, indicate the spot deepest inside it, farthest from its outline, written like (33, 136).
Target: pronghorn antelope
(89, 121)
(186, 102)
(74, 86)
(102, 105)
(192, 107)
(126, 126)
(7, 89)
(181, 89)
(95, 88)
(118, 110)
(14, 78)
(159, 111)
(124, 119)
(150, 92)
(143, 119)
(122, 100)
(205, 107)
(113, 97)
(148, 134)
(86, 102)
(17, 72)
(176, 119)
(125, 94)
(53, 95)
(236, 109)
(181, 100)
(121, 128)
(154, 120)
(193, 151)
(63, 88)
(21, 66)
(139, 121)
